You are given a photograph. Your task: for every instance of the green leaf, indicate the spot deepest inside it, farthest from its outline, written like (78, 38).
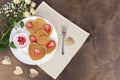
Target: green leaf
(5, 35)
(12, 45)
(11, 21)
(21, 24)
(3, 47)
(14, 23)
(4, 39)
(4, 42)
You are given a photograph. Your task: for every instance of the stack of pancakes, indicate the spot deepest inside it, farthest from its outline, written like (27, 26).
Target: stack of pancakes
(40, 42)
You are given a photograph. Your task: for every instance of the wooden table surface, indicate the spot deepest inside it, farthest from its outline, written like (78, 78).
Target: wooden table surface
(99, 57)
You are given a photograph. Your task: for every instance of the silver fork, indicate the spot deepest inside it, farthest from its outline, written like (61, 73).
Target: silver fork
(64, 30)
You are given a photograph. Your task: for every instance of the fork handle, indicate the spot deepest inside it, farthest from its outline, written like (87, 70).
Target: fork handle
(63, 45)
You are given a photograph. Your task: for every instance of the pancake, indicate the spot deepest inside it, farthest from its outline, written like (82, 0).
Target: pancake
(41, 33)
(40, 42)
(33, 28)
(29, 27)
(50, 46)
(43, 40)
(39, 20)
(36, 52)
(34, 25)
(38, 26)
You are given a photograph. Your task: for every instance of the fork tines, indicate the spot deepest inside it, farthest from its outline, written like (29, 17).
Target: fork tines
(64, 29)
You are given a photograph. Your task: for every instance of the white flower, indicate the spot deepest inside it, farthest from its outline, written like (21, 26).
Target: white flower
(10, 10)
(32, 10)
(7, 15)
(16, 1)
(12, 5)
(33, 4)
(26, 14)
(6, 12)
(27, 1)
(15, 15)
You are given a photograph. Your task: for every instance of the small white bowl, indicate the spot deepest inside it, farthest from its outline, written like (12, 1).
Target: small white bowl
(17, 44)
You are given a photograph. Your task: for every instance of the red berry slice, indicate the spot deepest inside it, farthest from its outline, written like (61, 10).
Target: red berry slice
(21, 40)
(33, 38)
(36, 52)
(50, 44)
(47, 28)
(29, 25)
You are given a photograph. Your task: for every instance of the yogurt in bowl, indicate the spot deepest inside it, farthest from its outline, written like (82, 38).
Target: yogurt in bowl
(21, 40)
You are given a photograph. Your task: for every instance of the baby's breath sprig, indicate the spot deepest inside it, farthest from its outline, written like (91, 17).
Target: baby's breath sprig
(18, 8)
(14, 11)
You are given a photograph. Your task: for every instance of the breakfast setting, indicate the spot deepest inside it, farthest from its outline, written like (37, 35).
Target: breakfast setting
(36, 36)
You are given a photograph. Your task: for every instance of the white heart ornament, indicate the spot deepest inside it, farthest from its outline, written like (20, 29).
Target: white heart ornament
(33, 73)
(18, 70)
(70, 41)
(6, 61)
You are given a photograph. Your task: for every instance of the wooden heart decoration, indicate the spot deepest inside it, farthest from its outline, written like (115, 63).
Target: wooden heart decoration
(6, 61)
(36, 52)
(69, 41)
(33, 73)
(18, 70)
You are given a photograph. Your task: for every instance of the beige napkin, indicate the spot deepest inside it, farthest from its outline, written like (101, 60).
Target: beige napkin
(58, 62)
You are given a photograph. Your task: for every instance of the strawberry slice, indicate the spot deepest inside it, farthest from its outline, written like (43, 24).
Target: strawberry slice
(47, 28)
(33, 38)
(29, 25)
(36, 52)
(50, 44)
(21, 40)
